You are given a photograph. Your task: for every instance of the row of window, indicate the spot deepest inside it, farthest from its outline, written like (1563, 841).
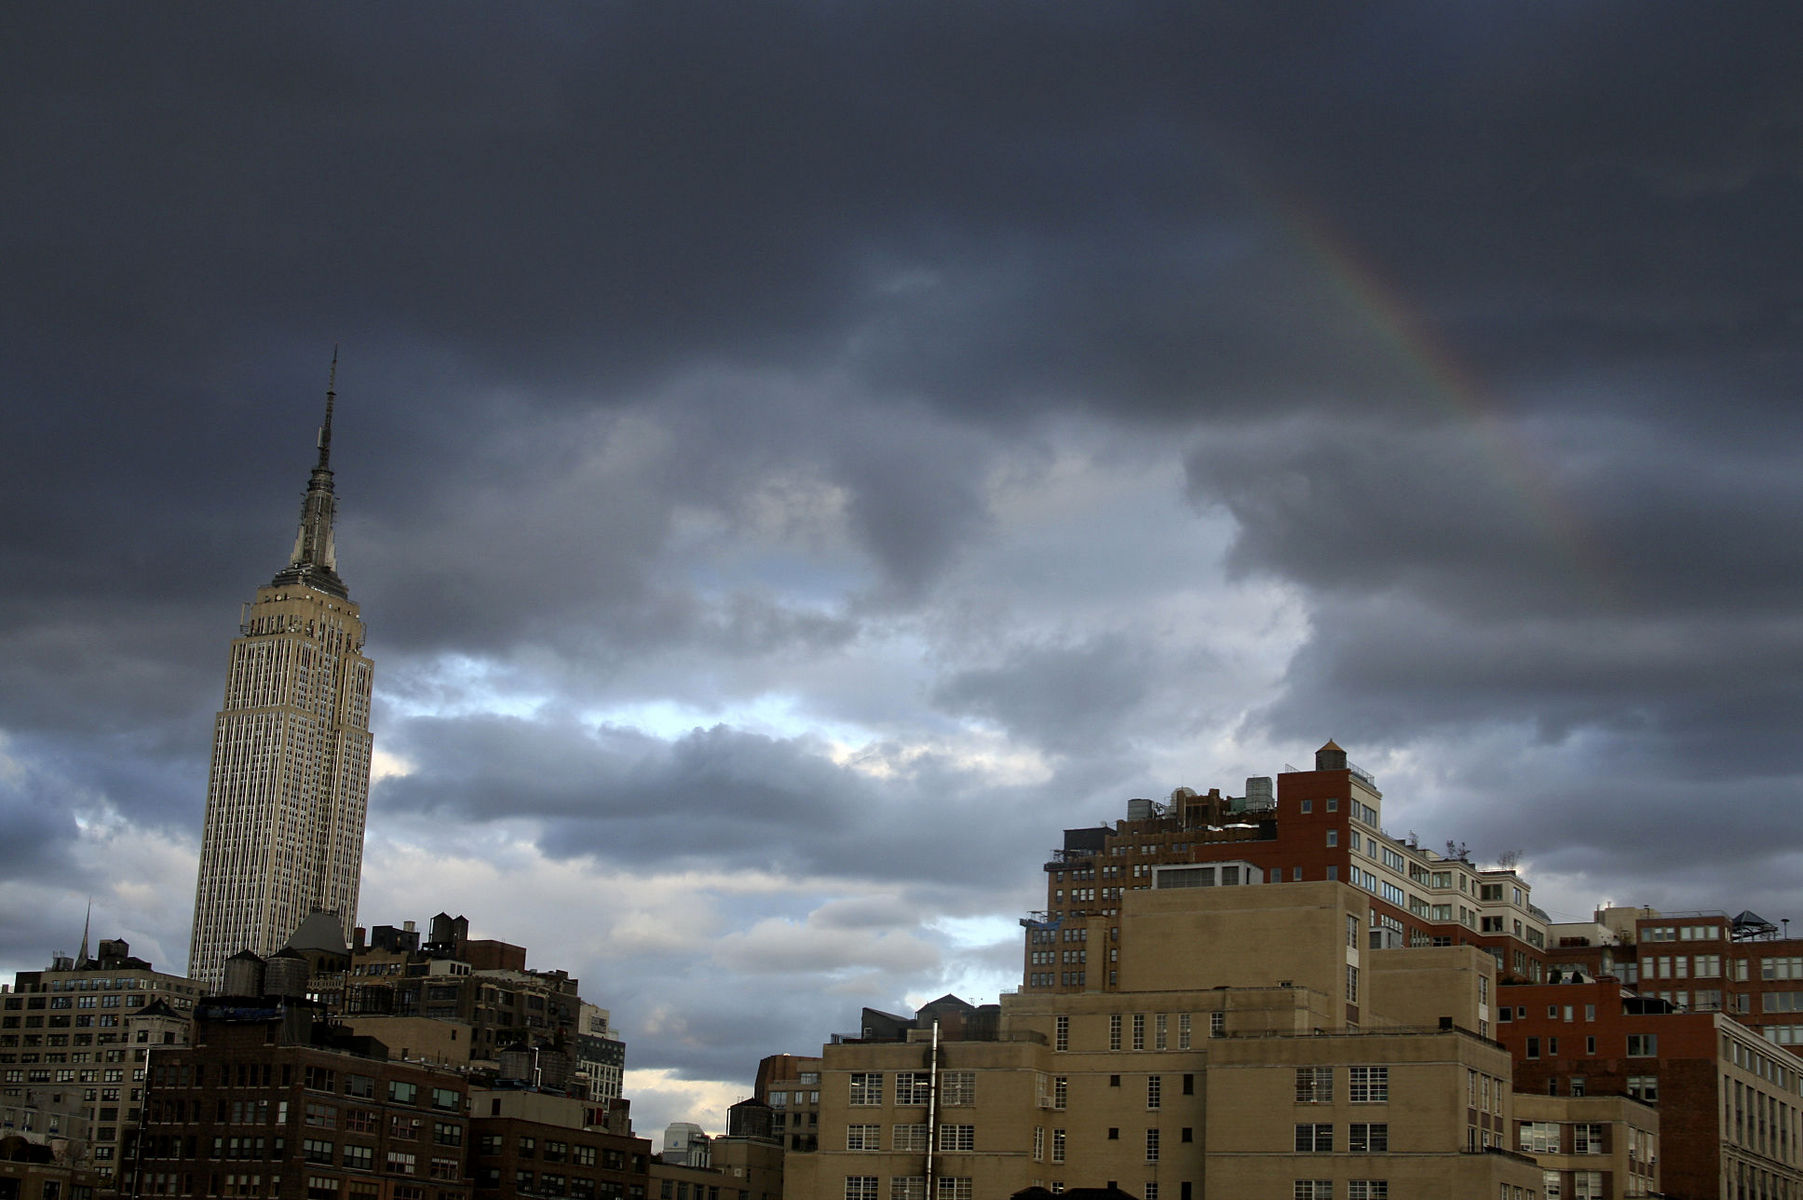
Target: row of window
(1640, 1045)
(1364, 1085)
(1362, 1137)
(915, 1087)
(907, 1187)
(1356, 1189)
(910, 1138)
(1554, 1137)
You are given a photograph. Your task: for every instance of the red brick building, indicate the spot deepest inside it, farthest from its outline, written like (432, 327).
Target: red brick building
(269, 1103)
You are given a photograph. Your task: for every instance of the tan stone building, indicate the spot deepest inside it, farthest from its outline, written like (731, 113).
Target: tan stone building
(75, 1040)
(289, 784)
(1590, 1146)
(1253, 1045)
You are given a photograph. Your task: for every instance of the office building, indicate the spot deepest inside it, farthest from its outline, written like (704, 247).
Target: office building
(289, 784)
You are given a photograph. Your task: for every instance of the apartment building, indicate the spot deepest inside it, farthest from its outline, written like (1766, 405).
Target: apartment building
(1590, 1147)
(76, 1038)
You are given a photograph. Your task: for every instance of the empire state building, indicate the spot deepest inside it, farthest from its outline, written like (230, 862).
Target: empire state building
(289, 784)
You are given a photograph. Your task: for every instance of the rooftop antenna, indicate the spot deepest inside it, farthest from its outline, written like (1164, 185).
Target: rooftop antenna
(325, 430)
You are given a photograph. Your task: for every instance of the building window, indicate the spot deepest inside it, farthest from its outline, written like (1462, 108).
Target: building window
(1038, 1143)
(908, 1187)
(953, 1188)
(1314, 1138)
(864, 1137)
(1538, 1137)
(1371, 1189)
(1151, 1145)
(1314, 1085)
(1644, 1088)
(1313, 1189)
(1114, 1031)
(958, 1088)
(1333, 837)
(1061, 1034)
(866, 1088)
(1158, 1034)
(913, 1087)
(1643, 1045)
(1183, 1031)
(1368, 1138)
(1139, 1031)
(1154, 1091)
(1352, 985)
(1057, 1145)
(957, 1137)
(1368, 1085)
(909, 1138)
(1061, 1085)
(861, 1187)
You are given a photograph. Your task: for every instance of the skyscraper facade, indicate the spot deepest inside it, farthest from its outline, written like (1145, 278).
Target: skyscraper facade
(289, 784)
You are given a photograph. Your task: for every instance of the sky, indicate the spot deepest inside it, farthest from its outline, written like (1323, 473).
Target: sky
(796, 459)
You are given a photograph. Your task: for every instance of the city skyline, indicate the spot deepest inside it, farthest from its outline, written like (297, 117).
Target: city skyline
(802, 458)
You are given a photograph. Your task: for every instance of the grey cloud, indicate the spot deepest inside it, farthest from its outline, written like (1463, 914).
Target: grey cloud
(1069, 699)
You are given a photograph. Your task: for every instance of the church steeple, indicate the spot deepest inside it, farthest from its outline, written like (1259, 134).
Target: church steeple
(315, 559)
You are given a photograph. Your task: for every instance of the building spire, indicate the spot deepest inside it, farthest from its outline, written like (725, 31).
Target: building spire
(315, 558)
(81, 956)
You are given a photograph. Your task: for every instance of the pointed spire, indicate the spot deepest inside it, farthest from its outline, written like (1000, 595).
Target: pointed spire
(81, 957)
(315, 559)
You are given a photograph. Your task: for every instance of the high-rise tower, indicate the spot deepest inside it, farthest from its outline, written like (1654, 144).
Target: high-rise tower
(289, 785)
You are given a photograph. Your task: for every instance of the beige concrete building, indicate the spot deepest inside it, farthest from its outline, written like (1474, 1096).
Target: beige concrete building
(1590, 1146)
(74, 1044)
(1254, 1045)
(289, 784)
